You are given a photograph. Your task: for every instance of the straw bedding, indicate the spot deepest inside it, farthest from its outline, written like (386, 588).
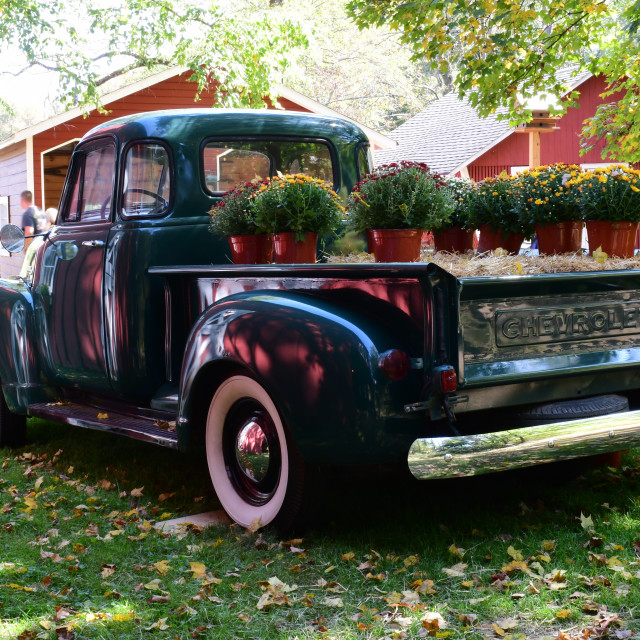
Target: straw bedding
(497, 264)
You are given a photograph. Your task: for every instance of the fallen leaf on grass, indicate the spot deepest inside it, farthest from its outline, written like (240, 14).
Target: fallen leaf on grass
(108, 570)
(516, 554)
(337, 603)
(161, 625)
(563, 613)
(162, 567)
(153, 585)
(586, 522)
(457, 571)
(468, 619)
(516, 565)
(433, 622)
(137, 492)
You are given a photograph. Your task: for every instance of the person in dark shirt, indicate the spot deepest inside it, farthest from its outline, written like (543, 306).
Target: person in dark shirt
(29, 224)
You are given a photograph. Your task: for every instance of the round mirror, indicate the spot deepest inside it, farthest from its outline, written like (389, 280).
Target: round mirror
(66, 250)
(12, 238)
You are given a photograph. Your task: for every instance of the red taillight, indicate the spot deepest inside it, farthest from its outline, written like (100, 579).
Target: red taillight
(395, 364)
(448, 380)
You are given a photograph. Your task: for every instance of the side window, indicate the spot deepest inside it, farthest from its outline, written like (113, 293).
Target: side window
(146, 187)
(227, 163)
(92, 185)
(363, 160)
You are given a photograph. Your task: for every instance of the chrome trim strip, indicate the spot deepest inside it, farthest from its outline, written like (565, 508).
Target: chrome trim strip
(452, 457)
(167, 331)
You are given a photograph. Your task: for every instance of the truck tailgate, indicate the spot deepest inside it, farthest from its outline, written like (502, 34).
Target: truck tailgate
(518, 329)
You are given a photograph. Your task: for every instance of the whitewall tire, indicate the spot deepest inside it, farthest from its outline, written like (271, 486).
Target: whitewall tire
(255, 472)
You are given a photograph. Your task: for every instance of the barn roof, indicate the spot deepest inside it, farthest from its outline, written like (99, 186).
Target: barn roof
(376, 139)
(449, 134)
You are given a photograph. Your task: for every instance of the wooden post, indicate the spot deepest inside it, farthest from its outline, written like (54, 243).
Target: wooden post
(534, 148)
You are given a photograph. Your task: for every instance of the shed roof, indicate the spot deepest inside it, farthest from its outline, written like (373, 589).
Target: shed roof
(449, 134)
(376, 138)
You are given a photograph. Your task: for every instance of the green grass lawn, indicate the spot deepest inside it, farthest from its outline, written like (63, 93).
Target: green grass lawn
(548, 552)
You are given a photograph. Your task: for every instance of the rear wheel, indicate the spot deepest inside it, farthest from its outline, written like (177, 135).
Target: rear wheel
(13, 427)
(256, 472)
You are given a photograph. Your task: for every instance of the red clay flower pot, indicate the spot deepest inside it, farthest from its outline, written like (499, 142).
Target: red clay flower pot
(251, 249)
(455, 240)
(615, 238)
(561, 237)
(395, 245)
(490, 241)
(286, 250)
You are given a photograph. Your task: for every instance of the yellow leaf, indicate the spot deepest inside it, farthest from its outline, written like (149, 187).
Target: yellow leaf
(600, 256)
(457, 551)
(586, 521)
(516, 565)
(198, 569)
(123, 617)
(39, 482)
(563, 613)
(162, 567)
(516, 554)
(31, 503)
(46, 624)
(103, 416)
(255, 525)
(161, 625)
(19, 587)
(614, 562)
(348, 556)
(548, 545)
(410, 561)
(154, 585)
(519, 270)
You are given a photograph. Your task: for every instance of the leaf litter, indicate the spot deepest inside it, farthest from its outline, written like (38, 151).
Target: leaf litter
(201, 576)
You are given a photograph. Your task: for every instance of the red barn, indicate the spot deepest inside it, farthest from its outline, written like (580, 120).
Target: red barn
(453, 140)
(37, 158)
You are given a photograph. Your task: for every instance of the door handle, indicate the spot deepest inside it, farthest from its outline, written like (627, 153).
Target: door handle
(93, 243)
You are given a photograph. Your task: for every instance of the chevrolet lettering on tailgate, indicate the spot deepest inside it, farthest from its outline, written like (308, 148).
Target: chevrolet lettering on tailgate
(535, 326)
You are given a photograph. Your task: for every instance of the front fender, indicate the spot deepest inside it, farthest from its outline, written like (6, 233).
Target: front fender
(320, 365)
(18, 355)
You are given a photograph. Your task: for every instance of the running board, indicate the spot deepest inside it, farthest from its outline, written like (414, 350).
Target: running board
(146, 429)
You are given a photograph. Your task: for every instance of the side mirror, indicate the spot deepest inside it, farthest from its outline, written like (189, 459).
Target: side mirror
(12, 238)
(66, 250)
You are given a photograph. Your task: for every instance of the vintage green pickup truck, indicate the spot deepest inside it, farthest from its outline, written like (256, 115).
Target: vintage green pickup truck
(134, 321)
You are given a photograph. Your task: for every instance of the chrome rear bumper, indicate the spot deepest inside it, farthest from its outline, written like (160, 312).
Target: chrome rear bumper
(453, 457)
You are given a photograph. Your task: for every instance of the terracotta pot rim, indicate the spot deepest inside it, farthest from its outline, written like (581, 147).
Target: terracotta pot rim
(616, 222)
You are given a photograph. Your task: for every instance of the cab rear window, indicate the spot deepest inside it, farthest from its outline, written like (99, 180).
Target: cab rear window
(227, 163)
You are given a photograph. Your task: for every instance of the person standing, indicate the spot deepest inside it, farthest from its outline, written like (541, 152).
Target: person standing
(46, 221)
(29, 215)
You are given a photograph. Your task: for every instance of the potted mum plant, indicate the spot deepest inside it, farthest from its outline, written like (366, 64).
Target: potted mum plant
(394, 205)
(455, 232)
(234, 217)
(296, 209)
(547, 200)
(609, 198)
(493, 210)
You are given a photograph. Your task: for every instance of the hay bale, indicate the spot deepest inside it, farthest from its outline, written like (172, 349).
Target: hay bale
(495, 263)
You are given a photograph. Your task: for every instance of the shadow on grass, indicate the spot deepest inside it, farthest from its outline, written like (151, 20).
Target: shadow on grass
(365, 505)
